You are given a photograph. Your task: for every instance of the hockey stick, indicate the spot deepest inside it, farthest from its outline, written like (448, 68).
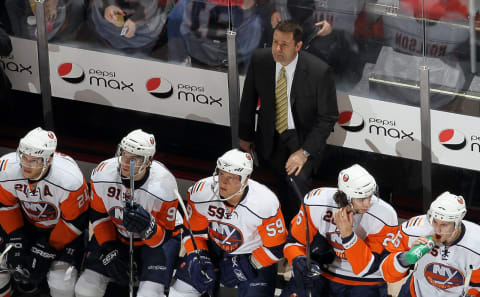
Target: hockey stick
(132, 189)
(467, 281)
(182, 205)
(20, 275)
(307, 239)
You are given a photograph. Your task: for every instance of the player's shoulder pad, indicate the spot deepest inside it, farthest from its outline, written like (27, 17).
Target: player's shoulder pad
(161, 183)
(65, 173)
(10, 167)
(470, 239)
(321, 197)
(105, 170)
(383, 212)
(417, 226)
(260, 200)
(201, 191)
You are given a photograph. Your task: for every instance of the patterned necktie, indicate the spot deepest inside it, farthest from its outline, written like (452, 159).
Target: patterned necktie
(281, 120)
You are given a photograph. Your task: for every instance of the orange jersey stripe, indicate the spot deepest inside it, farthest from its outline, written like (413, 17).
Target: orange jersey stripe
(76, 203)
(473, 292)
(292, 251)
(390, 274)
(97, 203)
(262, 257)
(11, 219)
(157, 238)
(62, 235)
(200, 241)
(377, 243)
(105, 231)
(358, 255)
(298, 230)
(273, 231)
(412, 287)
(348, 281)
(166, 216)
(7, 198)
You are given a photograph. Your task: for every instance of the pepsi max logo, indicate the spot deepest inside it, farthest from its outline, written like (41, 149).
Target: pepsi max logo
(40, 211)
(442, 276)
(351, 121)
(452, 139)
(71, 73)
(226, 236)
(159, 87)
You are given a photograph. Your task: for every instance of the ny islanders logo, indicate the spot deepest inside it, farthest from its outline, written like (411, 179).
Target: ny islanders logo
(351, 121)
(71, 73)
(226, 236)
(442, 276)
(40, 211)
(159, 87)
(452, 139)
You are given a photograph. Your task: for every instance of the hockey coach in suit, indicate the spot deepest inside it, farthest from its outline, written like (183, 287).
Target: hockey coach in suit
(298, 109)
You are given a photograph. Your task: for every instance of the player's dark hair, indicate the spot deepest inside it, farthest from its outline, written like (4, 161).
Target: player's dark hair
(290, 26)
(340, 198)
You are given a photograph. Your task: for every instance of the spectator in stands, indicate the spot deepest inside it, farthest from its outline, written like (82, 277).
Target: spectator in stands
(62, 17)
(5, 50)
(354, 222)
(128, 25)
(197, 29)
(330, 30)
(298, 109)
(446, 49)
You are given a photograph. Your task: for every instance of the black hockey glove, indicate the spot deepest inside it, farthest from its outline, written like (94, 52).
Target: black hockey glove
(18, 253)
(304, 277)
(114, 258)
(201, 273)
(236, 269)
(41, 257)
(137, 220)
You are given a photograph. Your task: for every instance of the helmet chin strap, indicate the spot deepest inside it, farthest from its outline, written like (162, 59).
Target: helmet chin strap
(216, 189)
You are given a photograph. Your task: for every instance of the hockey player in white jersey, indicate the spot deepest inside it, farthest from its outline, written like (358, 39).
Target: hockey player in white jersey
(452, 267)
(238, 227)
(150, 220)
(356, 223)
(43, 214)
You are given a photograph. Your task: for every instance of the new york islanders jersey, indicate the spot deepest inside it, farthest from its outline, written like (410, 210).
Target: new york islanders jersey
(355, 262)
(58, 201)
(442, 271)
(254, 226)
(155, 193)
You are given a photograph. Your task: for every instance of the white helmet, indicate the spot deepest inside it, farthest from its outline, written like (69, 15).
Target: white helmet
(356, 182)
(38, 143)
(236, 162)
(448, 208)
(139, 143)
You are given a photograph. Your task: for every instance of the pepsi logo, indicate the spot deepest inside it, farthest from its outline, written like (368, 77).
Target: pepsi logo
(442, 276)
(452, 139)
(351, 121)
(159, 87)
(71, 73)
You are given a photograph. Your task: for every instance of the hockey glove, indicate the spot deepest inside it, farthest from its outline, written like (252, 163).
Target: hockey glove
(304, 277)
(235, 269)
(137, 220)
(42, 256)
(16, 256)
(201, 273)
(114, 259)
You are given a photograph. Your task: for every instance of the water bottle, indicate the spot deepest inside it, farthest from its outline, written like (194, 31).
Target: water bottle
(415, 253)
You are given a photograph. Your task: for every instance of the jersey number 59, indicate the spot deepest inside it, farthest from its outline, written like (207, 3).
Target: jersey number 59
(275, 228)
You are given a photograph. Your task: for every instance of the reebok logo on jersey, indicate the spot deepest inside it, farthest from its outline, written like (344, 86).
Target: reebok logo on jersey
(351, 121)
(71, 73)
(452, 139)
(442, 276)
(159, 87)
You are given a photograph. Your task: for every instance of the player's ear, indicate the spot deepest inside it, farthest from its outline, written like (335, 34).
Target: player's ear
(299, 45)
